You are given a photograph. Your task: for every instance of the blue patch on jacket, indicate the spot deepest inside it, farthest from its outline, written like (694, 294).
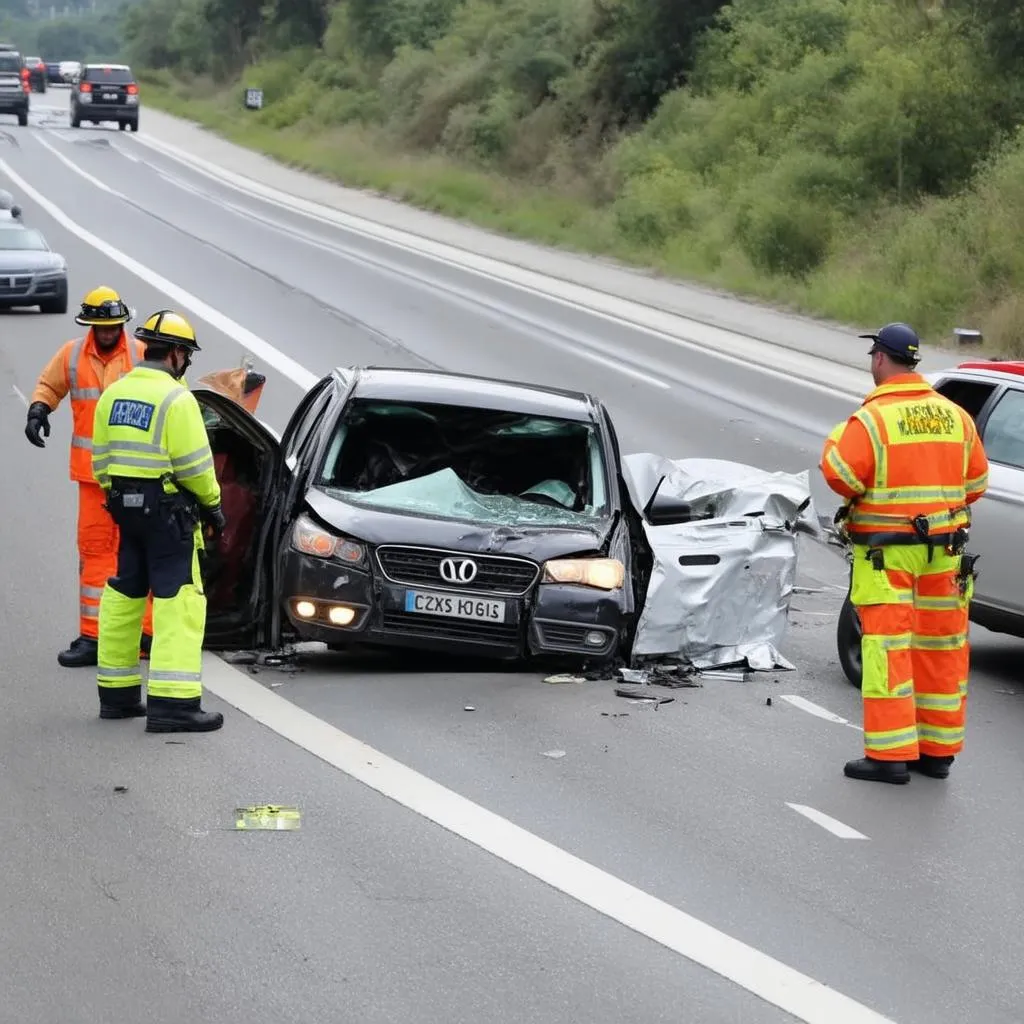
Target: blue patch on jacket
(126, 412)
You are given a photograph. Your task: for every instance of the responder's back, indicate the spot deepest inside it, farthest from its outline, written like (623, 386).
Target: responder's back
(148, 425)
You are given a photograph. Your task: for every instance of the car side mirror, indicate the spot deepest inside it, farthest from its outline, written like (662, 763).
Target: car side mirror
(664, 510)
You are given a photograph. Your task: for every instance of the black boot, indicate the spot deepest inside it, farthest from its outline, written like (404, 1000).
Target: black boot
(121, 701)
(933, 767)
(82, 653)
(877, 771)
(171, 714)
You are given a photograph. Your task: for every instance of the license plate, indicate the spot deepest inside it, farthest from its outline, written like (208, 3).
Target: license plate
(110, 95)
(454, 607)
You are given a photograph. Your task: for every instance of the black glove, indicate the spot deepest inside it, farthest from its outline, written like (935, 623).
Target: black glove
(214, 518)
(38, 423)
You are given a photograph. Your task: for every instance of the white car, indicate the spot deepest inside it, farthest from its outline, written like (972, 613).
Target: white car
(70, 70)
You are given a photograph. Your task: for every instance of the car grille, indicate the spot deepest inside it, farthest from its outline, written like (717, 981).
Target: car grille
(490, 633)
(14, 284)
(496, 574)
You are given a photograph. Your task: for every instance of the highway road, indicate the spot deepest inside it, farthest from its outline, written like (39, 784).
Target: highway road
(678, 864)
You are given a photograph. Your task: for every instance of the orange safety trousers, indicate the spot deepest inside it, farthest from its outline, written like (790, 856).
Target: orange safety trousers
(915, 650)
(98, 537)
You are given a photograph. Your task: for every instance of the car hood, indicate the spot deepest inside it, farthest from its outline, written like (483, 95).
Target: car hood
(29, 259)
(539, 542)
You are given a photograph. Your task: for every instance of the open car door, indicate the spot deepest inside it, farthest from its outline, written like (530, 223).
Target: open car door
(239, 567)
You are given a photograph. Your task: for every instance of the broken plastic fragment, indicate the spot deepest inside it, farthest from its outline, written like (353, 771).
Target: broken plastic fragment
(565, 678)
(270, 817)
(469, 707)
(554, 754)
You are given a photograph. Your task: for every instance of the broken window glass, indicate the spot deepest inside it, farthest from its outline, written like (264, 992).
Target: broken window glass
(480, 465)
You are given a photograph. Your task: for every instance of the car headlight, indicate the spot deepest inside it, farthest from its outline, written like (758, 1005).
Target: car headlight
(600, 573)
(310, 539)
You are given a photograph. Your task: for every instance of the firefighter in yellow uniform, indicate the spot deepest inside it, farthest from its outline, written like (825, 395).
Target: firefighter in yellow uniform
(152, 457)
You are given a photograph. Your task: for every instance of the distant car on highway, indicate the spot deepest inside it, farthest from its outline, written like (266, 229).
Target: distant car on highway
(31, 273)
(14, 86)
(37, 77)
(53, 73)
(106, 92)
(992, 391)
(70, 70)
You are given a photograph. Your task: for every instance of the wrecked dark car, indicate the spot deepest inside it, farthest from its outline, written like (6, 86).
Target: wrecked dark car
(421, 509)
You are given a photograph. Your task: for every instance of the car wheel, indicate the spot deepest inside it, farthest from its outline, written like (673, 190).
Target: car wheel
(122, 125)
(848, 636)
(58, 305)
(76, 121)
(23, 120)
(134, 125)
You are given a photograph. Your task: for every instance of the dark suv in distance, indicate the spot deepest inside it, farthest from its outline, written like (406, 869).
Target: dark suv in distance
(14, 87)
(105, 92)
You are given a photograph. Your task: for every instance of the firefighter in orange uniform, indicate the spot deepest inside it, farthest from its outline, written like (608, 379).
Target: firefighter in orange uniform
(83, 368)
(909, 462)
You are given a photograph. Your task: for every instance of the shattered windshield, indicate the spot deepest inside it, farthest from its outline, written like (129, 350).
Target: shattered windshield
(479, 465)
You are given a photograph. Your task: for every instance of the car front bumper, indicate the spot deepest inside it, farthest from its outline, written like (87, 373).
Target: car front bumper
(30, 288)
(550, 619)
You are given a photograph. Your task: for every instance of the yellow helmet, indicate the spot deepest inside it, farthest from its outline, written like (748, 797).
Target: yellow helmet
(168, 328)
(103, 307)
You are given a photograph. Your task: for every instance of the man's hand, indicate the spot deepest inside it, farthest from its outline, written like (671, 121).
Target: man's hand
(38, 423)
(213, 517)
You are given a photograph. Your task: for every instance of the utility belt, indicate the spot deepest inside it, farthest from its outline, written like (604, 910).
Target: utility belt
(160, 500)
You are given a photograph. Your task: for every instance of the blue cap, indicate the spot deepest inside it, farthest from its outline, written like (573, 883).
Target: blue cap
(897, 340)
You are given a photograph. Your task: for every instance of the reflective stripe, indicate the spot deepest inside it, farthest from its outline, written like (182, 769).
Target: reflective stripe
(844, 472)
(896, 642)
(91, 592)
(867, 420)
(167, 676)
(184, 460)
(118, 673)
(197, 470)
(891, 739)
(939, 604)
(979, 483)
(904, 690)
(938, 701)
(915, 494)
(941, 734)
(89, 611)
(81, 442)
(940, 643)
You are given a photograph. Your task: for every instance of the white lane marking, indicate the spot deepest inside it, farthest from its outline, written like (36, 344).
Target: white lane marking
(577, 346)
(827, 822)
(256, 345)
(103, 186)
(782, 986)
(815, 709)
(721, 343)
(20, 394)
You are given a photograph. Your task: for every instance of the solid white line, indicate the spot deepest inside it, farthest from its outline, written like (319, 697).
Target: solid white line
(815, 709)
(256, 345)
(723, 344)
(803, 997)
(20, 394)
(827, 822)
(102, 185)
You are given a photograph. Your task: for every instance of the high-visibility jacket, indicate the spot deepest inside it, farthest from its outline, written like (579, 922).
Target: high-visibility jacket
(147, 425)
(906, 452)
(83, 370)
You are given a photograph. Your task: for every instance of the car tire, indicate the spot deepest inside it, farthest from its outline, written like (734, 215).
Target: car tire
(23, 119)
(134, 125)
(848, 637)
(122, 125)
(55, 307)
(76, 121)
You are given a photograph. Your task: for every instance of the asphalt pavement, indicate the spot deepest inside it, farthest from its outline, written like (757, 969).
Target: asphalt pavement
(724, 804)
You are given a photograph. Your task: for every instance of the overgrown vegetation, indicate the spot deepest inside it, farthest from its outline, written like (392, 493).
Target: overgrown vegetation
(82, 30)
(857, 158)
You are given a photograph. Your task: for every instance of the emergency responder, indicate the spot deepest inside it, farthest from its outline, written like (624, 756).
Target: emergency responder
(83, 368)
(910, 463)
(152, 457)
